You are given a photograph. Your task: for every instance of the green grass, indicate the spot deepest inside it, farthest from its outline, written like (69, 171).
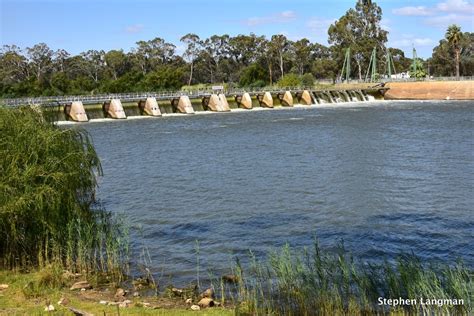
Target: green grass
(28, 294)
(318, 283)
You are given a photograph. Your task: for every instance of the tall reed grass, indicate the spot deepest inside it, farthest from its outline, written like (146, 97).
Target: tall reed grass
(319, 283)
(48, 211)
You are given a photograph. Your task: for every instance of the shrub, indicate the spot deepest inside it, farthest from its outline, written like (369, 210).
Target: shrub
(289, 80)
(47, 183)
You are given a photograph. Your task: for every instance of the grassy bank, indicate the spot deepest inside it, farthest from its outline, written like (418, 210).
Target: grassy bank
(314, 282)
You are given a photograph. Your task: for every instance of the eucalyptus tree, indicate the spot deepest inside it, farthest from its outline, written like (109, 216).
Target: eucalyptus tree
(93, 64)
(360, 30)
(216, 49)
(302, 51)
(454, 36)
(193, 43)
(13, 65)
(61, 57)
(149, 55)
(116, 63)
(40, 59)
(279, 47)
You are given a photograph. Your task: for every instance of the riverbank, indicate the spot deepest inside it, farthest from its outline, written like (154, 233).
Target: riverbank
(30, 294)
(430, 90)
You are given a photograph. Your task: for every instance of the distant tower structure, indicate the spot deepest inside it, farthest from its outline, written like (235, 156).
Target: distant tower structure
(346, 66)
(414, 64)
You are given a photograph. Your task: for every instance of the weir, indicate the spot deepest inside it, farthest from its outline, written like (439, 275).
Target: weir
(265, 100)
(75, 111)
(286, 99)
(182, 105)
(304, 97)
(84, 108)
(215, 103)
(149, 107)
(114, 109)
(244, 101)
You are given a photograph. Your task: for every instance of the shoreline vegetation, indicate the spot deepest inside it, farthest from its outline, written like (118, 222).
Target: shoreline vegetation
(61, 252)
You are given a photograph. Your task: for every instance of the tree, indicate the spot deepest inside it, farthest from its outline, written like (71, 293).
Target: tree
(441, 62)
(40, 58)
(289, 80)
(215, 49)
(193, 43)
(116, 62)
(454, 36)
(149, 55)
(93, 64)
(302, 51)
(420, 69)
(400, 62)
(13, 65)
(360, 30)
(279, 47)
(60, 60)
(253, 74)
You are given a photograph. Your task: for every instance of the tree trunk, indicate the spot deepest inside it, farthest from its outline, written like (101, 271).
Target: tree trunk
(191, 74)
(270, 72)
(457, 63)
(281, 64)
(359, 69)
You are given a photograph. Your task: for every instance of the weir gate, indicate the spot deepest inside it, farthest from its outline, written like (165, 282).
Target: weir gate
(119, 106)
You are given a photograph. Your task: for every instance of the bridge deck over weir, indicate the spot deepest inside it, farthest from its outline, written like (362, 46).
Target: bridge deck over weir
(159, 96)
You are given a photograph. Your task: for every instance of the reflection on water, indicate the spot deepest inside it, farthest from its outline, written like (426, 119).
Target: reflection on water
(386, 178)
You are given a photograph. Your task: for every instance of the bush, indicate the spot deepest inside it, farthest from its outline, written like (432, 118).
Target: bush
(48, 181)
(289, 80)
(307, 80)
(252, 75)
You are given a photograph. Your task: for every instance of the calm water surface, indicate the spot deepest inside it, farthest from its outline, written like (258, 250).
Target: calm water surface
(385, 177)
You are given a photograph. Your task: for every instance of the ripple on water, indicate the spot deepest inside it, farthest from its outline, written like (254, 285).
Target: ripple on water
(386, 178)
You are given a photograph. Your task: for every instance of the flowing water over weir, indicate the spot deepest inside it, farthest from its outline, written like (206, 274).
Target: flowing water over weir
(386, 177)
(121, 106)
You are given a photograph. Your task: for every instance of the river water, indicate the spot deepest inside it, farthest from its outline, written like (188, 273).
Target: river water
(385, 177)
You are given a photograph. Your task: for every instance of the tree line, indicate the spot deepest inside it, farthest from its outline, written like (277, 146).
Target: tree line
(242, 60)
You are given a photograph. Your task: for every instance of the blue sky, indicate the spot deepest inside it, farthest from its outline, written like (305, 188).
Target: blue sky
(105, 24)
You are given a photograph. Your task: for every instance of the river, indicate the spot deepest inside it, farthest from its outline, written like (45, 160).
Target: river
(385, 177)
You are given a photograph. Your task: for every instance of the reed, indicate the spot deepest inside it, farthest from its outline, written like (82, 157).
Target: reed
(313, 282)
(48, 212)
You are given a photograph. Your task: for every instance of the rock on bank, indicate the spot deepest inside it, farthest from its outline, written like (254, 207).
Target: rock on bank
(430, 90)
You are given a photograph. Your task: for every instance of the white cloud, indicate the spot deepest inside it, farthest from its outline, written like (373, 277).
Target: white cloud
(385, 24)
(443, 13)
(443, 21)
(459, 6)
(319, 25)
(282, 17)
(136, 28)
(410, 40)
(413, 11)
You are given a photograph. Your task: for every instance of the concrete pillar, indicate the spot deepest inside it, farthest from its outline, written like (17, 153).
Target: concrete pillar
(305, 98)
(224, 103)
(266, 100)
(213, 103)
(150, 107)
(76, 112)
(286, 99)
(244, 101)
(114, 109)
(183, 105)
